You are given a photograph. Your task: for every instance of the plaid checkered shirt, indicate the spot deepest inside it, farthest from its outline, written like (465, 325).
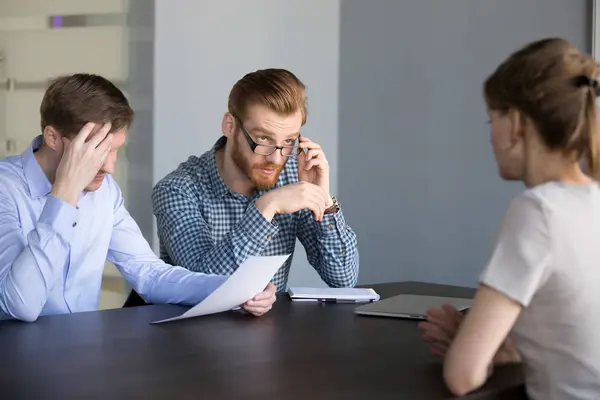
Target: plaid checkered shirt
(205, 227)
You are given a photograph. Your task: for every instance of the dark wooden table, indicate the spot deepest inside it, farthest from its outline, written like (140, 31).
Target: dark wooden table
(297, 351)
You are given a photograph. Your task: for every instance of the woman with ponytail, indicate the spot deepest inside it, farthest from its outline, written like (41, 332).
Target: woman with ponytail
(538, 301)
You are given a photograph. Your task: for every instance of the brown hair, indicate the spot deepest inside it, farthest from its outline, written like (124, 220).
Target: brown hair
(72, 101)
(554, 84)
(277, 89)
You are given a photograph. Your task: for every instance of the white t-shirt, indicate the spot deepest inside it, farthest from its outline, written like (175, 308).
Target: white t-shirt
(547, 258)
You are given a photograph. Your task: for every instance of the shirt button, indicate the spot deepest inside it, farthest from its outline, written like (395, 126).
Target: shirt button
(269, 236)
(74, 224)
(330, 226)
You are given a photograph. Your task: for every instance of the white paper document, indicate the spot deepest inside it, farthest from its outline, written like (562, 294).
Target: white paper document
(251, 278)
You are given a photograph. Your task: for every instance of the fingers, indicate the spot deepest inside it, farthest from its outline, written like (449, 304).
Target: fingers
(84, 133)
(269, 292)
(313, 153)
(317, 206)
(66, 144)
(318, 194)
(301, 160)
(99, 137)
(314, 150)
(444, 328)
(313, 198)
(316, 162)
(259, 304)
(104, 155)
(453, 315)
(104, 147)
(438, 344)
(306, 143)
(437, 316)
(318, 211)
(445, 313)
(440, 328)
(450, 309)
(435, 333)
(256, 311)
(443, 320)
(271, 288)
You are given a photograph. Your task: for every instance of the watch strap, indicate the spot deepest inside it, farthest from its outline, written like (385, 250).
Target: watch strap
(335, 207)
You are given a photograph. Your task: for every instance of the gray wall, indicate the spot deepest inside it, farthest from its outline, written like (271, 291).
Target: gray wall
(140, 90)
(417, 179)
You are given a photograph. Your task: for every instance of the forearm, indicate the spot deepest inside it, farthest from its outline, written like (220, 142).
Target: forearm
(507, 352)
(30, 268)
(331, 248)
(475, 345)
(462, 380)
(159, 283)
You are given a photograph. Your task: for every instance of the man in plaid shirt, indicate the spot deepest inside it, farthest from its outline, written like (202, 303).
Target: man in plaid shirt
(259, 188)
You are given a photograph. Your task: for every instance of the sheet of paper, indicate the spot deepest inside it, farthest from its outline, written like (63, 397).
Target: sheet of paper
(251, 278)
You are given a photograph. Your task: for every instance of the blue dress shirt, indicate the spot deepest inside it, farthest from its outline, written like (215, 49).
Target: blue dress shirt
(52, 255)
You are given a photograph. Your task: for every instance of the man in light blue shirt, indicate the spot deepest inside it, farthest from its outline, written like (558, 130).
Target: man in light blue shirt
(62, 215)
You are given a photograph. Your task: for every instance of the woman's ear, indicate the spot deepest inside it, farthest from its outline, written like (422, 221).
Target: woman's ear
(517, 126)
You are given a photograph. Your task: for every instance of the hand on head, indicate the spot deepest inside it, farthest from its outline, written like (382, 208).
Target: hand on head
(312, 190)
(262, 302)
(81, 161)
(312, 164)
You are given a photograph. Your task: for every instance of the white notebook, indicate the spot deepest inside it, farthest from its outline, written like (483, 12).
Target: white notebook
(333, 295)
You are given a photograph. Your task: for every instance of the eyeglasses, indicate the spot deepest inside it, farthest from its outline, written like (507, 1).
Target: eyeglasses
(266, 150)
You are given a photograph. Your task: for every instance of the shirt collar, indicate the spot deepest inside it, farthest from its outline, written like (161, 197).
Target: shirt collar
(37, 181)
(219, 187)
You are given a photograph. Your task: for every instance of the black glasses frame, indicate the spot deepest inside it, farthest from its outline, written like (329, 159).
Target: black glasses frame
(253, 145)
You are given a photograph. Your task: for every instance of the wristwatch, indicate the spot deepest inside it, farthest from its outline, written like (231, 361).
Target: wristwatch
(335, 207)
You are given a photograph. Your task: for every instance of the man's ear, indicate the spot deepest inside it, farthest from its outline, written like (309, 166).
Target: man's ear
(52, 138)
(228, 125)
